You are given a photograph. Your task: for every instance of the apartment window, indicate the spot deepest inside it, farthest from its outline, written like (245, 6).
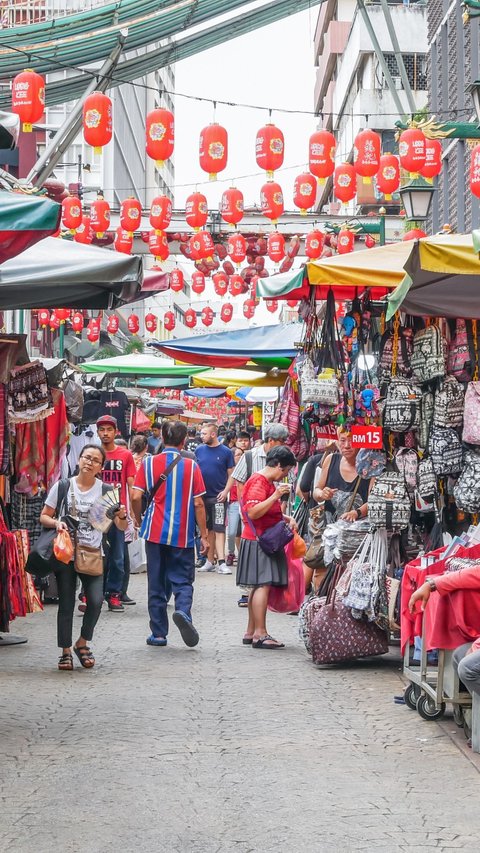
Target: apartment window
(415, 66)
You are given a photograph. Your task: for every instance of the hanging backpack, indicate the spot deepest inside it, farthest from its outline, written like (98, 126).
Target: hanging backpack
(429, 354)
(449, 404)
(406, 460)
(445, 451)
(426, 479)
(323, 389)
(461, 352)
(400, 343)
(471, 414)
(402, 405)
(467, 488)
(427, 405)
(389, 503)
(73, 393)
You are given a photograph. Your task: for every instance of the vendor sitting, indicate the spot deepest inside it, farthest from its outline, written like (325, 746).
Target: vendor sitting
(337, 480)
(466, 659)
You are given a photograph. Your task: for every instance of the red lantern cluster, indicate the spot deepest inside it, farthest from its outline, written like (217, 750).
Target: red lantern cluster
(321, 154)
(207, 316)
(304, 192)
(99, 216)
(314, 244)
(269, 149)
(271, 201)
(345, 182)
(133, 324)
(71, 213)
(123, 241)
(176, 280)
(196, 211)
(475, 171)
(411, 148)
(231, 206)
(130, 214)
(97, 120)
(366, 154)
(160, 135)
(213, 150)
(276, 247)
(28, 98)
(388, 176)
(160, 212)
(151, 323)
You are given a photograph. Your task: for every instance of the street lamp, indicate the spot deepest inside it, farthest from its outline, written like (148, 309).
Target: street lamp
(417, 199)
(474, 91)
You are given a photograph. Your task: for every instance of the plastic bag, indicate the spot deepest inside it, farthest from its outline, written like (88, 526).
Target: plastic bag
(299, 548)
(63, 547)
(287, 599)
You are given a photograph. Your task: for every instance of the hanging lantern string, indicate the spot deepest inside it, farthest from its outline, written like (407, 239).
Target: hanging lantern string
(454, 113)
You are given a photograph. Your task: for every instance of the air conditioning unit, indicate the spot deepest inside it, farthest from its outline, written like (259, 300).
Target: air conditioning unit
(397, 82)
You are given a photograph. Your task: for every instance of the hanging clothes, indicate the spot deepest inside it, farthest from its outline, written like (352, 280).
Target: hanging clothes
(4, 432)
(41, 447)
(79, 437)
(116, 403)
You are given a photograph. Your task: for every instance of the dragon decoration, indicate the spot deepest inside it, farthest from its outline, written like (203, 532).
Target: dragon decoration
(444, 129)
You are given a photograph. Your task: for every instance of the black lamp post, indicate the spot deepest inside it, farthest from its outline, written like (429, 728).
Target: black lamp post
(417, 199)
(474, 91)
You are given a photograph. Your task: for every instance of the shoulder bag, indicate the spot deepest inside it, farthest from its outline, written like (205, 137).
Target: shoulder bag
(274, 539)
(41, 560)
(87, 560)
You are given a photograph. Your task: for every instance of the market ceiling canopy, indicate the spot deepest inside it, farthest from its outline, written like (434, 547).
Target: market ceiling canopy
(266, 346)
(24, 220)
(442, 278)
(69, 275)
(382, 267)
(138, 364)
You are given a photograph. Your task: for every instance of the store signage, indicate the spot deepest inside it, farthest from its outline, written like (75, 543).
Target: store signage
(367, 437)
(327, 431)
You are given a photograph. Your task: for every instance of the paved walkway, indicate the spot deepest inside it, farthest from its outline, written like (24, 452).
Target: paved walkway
(220, 749)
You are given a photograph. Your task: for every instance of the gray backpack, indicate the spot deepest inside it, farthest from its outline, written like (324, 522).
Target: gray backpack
(401, 411)
(429, 354)
(389, 504)
(445, 451)
(467, 488)
(449, 404)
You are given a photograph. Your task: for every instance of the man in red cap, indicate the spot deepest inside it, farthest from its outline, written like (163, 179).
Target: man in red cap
(118, 470)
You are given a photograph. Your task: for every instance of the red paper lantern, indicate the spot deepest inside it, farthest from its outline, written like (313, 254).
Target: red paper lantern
(28, 98)
(345, 241)
(207, 316)
(220, 283)
(158, 245)
(269, 148)
(97, 120)
(388, 176)
(123, 241)
(151, 323)
(433, 159)
(237, 248)
(226, 312)
(415, 233)
(196, 211)
(84, 233)
(369, 242)
(113, 324)
(304, 192)
(71, 213)
(43, 317)
(345, 182)
(321, 154)
(272, 305)
(201, 246)
(198, 281)
(249, 308)
(190, 318)
(292, 303)
(169, 321)
(366, 154)
(63, 314)
(314, 244)
(160, 212)
(77, 322)
(94, 323)
(99, 216)
(412, 150)
(213, 150)
(276, 247)
(160, 135)
(54, 321)
(237, 285)
(93, 335)
(176, 280)
(231, 206)
(271, 201)
(130, 214)
(133, 324)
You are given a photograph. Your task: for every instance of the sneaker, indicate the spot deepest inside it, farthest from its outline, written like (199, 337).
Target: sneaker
(83, 603)
(200, 562)
(207, 567)
(243, 601)
(230, 559)
(114, 604)
(125, 599)
(223, 569)
(185, 626)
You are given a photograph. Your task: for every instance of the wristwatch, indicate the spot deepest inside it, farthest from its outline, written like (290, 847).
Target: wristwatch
(359, 514)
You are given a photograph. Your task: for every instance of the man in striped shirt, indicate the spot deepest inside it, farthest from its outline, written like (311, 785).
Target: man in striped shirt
(169, 529)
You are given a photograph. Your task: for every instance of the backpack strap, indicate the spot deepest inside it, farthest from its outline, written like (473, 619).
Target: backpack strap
(249, 463)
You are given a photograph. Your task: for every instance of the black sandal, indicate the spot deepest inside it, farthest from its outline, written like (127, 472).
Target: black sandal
(65, 662)
(85, 656)
(262, 643)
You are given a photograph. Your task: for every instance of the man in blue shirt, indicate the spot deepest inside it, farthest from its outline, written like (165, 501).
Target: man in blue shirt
(155, 439)
(216, 464)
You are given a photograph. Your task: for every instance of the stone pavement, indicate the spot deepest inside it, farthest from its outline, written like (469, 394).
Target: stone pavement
(219, 749)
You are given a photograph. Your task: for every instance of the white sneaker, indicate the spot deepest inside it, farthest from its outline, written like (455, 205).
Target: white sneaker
(207, 567)
(223, 569)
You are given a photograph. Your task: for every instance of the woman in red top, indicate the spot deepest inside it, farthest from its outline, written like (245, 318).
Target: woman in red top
(261, 509)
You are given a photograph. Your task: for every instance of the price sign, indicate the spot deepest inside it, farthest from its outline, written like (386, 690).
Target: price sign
(327, 431)
(367, 437)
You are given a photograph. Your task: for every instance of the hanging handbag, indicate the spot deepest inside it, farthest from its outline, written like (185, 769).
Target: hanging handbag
(461, 354)
(314, 557)
(41, 560)
(449, 404)
(426, 479)
(467, 488)
(445, 451)
(401, 411)
(471, 415)
(429, 354)
(87, 560)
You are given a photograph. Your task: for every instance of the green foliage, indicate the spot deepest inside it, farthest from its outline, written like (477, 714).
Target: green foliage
(134, 345)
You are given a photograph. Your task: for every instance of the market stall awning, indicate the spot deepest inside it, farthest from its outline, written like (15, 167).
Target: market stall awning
(24, 220)
(69, 275)
(206, 393)
(222, 378)
(267, 346)
(441, 278)
(138, 364)
(165, 382)
(382, 267)
(285, 285)
(258, 395)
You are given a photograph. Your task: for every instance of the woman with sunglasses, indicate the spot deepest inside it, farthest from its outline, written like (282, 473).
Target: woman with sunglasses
(84, 490)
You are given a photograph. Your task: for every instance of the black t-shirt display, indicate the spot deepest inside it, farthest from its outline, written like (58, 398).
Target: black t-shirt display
(115, 403)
